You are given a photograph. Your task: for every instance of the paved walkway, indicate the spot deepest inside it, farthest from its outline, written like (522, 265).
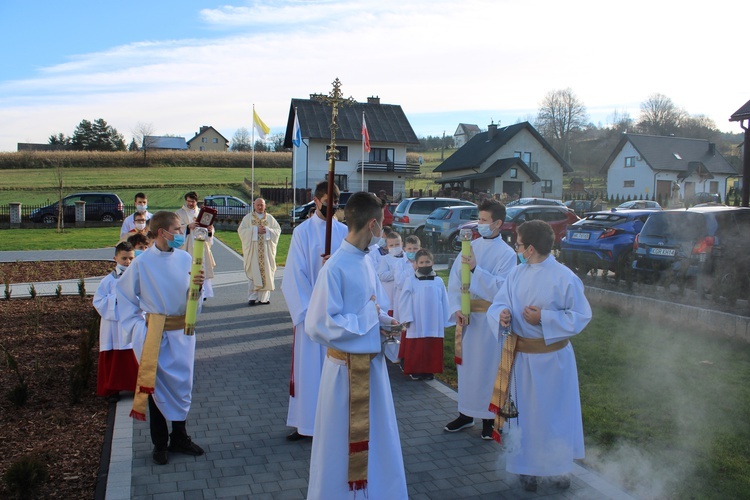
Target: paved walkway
(239, 411)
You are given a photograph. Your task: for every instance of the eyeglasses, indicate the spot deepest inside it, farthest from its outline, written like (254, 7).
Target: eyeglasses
(517, 245)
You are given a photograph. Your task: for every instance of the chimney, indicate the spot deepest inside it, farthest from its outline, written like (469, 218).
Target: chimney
(491, 129)
(712, 148)
(373, 100)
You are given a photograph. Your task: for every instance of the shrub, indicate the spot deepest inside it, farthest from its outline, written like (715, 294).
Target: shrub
(20, 392)
(32, 291)
(82, 287)
(26, 476)
(58, 291)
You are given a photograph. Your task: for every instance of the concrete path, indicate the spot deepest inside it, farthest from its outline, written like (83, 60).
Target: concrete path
(238, 416)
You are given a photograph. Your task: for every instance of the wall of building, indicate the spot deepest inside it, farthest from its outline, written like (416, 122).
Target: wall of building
(210, 140)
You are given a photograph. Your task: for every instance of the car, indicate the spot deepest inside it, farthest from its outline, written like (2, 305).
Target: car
(679, 244)
(228, 207)
(638, 205)
(583, 207)
(106, 207)
(558, 216)
(699, 198)
(302, 212)
(411, 213)
(534, 201)
(388, 213)
(442, 224)
(603, 240)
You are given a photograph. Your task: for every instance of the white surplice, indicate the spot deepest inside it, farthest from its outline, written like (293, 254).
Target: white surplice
(343, 316)
(128, 224)
(187, 217)
(302, 267)
(390, 271)
(158, 282)
(549, 434)
(424, 304)
(111, 336)
(259, 253)
(480, 353)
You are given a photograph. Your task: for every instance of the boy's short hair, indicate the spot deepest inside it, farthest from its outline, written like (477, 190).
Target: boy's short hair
(393, 235)
(538, 234)
(423, 252)
(413, 240)
(387, 230)
(141, 215)
(138, 239)
(321, 189)
(494, 207)
(123, 246)
(191, 195)
(361, 208)
(140, 195)
(161, 220)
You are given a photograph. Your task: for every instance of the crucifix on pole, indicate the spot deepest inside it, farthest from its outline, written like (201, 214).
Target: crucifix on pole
(335, 100)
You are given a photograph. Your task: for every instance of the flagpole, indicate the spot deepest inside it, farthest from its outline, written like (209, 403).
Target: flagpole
(363, 151)
(294, 167)
(252, 162)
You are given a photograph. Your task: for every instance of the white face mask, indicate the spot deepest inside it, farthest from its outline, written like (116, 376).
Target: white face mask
(141, 208)
(121, 268)
(484, 230)
(140, 226)
(395, 251)
(376, 240)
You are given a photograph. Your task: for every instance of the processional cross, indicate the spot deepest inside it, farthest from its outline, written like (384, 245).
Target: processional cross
(335, 100)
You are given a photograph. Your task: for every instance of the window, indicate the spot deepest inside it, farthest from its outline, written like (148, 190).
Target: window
(546, 186)
(216, 140)
(713, 187)
(202, 148)
(513, 173)
(629, 161)
(527, 158)
(534, 166)
(628, 184)
(342, 181)
(382, 155)
(203, 139)
(517, 154)
(469, 214)
(343, 154)
(234, 202)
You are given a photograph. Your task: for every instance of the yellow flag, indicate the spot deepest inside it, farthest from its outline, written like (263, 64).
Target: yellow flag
(261, 127)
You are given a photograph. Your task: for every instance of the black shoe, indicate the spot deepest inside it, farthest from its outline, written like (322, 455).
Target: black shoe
(529, 483)
(183, 444)
(561, 482)
(428, 376)
(113, 398)
(296, 436)
(487, 424)
(160, 455)
(252, 302)
(461, 423)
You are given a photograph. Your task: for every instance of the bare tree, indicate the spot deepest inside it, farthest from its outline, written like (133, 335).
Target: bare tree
(660, 116)
(241, 140)
(560, 113)
(143, 135)
(620, 121)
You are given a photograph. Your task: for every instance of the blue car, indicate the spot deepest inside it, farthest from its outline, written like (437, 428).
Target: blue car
(603, 240)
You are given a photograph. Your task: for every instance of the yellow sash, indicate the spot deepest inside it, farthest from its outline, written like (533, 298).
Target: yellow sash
(157, 324)
(477, 305)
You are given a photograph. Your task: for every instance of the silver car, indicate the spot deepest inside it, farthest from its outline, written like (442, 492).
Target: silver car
(228, 207)
(411, 213)
(442, 224)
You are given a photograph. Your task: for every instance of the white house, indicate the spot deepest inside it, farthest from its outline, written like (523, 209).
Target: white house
(383, 168)
(463, 134)
(652, 166)
(515, 160)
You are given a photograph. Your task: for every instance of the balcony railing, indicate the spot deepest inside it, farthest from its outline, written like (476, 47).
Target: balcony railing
(389, 167)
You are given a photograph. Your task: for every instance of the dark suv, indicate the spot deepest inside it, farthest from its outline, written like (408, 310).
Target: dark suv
(681, 243)
(106, 207)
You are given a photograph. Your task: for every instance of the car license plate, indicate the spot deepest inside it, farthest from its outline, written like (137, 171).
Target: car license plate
(581, 236)
(669, 252)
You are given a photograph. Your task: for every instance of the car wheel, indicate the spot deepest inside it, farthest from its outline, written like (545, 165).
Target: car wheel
(49, 219)
(419, 233)
(108, 218)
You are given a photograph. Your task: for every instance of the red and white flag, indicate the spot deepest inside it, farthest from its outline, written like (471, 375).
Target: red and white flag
(365, 135)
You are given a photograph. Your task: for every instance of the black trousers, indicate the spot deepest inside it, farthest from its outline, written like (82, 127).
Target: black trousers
(158, 425)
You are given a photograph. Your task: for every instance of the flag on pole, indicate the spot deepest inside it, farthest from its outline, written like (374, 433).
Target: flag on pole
(365, 135)
(261, 127)
(296, 132)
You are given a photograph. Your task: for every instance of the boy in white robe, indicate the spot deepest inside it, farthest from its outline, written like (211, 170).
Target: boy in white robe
(543, 303)
(391, 265)
(304, 261)
(157, 284)
(349, 455)
(490, 262)
(141, 206)
(188, 215)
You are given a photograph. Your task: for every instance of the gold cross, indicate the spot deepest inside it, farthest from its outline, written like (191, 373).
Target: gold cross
(335, 100)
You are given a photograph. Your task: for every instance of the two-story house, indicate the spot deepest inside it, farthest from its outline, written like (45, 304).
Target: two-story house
(208, 139)
(463, 134)
(383, 168)
(515, 160)
(664, 167)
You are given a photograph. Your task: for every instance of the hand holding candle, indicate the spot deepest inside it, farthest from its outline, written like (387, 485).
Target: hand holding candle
(200, 235)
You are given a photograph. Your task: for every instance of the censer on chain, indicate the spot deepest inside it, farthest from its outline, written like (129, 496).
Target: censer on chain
(509, 409)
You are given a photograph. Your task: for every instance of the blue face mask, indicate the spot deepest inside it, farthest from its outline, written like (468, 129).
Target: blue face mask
(177, 240)
(484, 230)
(138, 252)
(411, 255)
(521, 258)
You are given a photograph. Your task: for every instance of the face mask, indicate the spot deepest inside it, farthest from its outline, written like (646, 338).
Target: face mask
(411, 255)
(425, 270)
(484, 230)
(376, 240)
(140, 226)
(521, 257)
(395, 251)
(138, 252)
(177, 241)
(382, 243)
(121, 268)
(141, 208)
(324, 210)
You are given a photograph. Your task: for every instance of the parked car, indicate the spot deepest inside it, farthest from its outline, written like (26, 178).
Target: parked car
(638, 205)
(390, 208)
(411, 213)
(106, 207)
(534, 201)
(583, 207)
(442, 224)
(559, 217)
(679, 244)
(699, 198)
(301, 212)
(603, 240)
(228, 207)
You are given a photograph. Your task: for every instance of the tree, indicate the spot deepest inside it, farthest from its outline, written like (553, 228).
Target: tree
(241, 140)
(97, 136)
(143, 136)
(660, 116)
(560, 113)
(277, 142)
(59, 140)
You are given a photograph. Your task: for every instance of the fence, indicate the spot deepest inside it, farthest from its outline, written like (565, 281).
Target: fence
(284, 195)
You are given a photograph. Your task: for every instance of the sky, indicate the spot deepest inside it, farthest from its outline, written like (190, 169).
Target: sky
(178, 65)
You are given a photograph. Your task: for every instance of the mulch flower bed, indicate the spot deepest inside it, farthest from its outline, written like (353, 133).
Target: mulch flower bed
(47, 337)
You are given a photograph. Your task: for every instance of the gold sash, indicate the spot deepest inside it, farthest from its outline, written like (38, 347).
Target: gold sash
(477, 305)
(157, 324)
(358, 366)
(513, 344)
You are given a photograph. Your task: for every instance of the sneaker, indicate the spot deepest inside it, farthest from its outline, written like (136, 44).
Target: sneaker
(461, 423)
(415, 376)
(160, 455)
(296, 436)
(529, 483)
(265, 303)
(252, 302)
(185, 445)
(487, 424)
(561, 482)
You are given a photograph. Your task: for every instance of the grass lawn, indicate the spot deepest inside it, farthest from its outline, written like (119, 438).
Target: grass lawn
(48, 239)
(232, 239)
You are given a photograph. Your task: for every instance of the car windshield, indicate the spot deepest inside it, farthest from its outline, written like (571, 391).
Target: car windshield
(679, 225)
(401, 208)
(438, 214)
(601, 220)
(510, 213)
